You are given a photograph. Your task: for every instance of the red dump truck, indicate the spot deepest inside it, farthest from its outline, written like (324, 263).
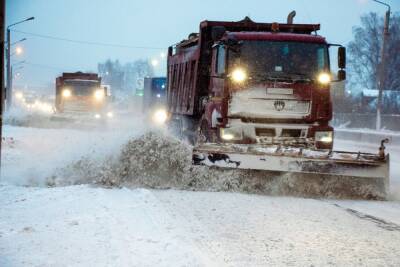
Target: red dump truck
(257, 96)
(81, 95)
(247, 82)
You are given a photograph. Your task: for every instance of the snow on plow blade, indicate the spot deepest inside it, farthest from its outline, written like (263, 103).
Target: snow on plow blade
(362, 168)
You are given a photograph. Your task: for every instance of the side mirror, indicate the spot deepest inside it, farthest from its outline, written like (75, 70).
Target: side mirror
(342, 57)
(341, 75)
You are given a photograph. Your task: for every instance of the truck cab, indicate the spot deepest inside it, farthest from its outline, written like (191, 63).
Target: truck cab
(81, 94)
(154, 99)
(267, 83)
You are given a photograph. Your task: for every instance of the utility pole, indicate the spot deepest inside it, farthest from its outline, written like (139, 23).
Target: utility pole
(2, 89)
(8, 56)
(8, 71)
(382, 67)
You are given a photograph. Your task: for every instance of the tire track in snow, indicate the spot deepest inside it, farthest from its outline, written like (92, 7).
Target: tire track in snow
(186, 228)
(132, 212)
(389, 226)
(182, 229)
(117, 242)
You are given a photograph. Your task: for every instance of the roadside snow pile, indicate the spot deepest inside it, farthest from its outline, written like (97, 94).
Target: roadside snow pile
(25, 119)
(156, 160)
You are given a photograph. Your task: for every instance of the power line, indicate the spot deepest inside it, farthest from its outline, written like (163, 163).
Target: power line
(44, 66)
(88, 42)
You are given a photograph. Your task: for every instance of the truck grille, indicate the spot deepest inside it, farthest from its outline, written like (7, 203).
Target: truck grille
(77, 106)
(265, 132)
(290, 106)
(269, 108)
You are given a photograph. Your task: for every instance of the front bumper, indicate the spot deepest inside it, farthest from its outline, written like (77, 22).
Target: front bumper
(306, 135)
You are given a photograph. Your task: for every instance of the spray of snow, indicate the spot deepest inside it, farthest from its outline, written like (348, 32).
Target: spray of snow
(157, 160)
(121, 155)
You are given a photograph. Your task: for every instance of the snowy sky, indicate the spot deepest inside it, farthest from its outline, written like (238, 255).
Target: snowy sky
(153, 24)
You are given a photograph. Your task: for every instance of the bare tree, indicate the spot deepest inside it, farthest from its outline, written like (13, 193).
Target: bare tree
(364, 53)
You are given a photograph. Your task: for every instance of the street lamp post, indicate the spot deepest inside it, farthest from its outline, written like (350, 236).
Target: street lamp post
(382, 66)
(2, 20)
(8, 71)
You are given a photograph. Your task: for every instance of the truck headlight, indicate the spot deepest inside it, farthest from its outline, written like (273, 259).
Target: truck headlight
(324, 78)
(97, 116)
(239, 75)
(230, 134)
(110, 114)
(160, 116)
(99, 95)
(325, 137)
(66, 93)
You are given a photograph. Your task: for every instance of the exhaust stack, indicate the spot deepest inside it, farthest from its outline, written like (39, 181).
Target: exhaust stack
(290, 17)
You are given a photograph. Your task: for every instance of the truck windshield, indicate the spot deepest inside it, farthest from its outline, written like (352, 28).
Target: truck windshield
(271, 59)
(82, 87)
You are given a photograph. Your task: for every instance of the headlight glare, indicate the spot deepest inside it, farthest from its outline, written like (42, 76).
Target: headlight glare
(160, 116)
(324, 78)
(66, 93)
(19, 95)
(99, 94)
(230, 134)
(239, 75)
(325, 137)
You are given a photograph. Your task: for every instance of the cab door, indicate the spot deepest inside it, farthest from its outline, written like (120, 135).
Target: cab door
(217, 83)
(217, 80)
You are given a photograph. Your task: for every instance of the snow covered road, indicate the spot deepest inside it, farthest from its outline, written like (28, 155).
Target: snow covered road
(91, 226)
(84, 226)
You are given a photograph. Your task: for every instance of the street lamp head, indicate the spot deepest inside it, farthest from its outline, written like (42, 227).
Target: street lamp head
(18, 50)
(383, 3)
(154, 62)
(9, 26)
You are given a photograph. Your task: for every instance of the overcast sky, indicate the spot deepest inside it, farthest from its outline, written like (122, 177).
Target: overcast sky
(151, 24)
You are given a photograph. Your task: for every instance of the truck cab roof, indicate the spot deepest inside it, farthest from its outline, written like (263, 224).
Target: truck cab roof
(249, 25)
(301, 31)
(273, 36)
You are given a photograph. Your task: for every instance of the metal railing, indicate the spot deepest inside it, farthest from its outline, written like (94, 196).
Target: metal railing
(362, 120)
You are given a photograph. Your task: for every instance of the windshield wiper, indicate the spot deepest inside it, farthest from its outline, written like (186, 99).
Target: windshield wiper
(281, 76)
(262, 78)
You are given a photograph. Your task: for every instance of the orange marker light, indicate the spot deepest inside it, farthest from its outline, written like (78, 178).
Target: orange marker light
(275, 27)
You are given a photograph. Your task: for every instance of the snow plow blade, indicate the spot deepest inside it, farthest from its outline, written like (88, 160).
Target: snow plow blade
(368, 173)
